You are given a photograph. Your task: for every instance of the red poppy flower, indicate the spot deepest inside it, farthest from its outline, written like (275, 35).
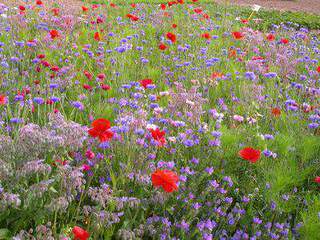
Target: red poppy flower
(113, 5)
(84, 8)
(105, 87)
(87, 87)
(244, 21)
(132, 17)
(101, 129)
(62, 162)
(133, 5)
(276, 112)
(181, 1)
(217, 75)
(271, 37)
(49, 102)
(88, 75)
(54, 33)
(206, 16)
(99, 20)
(317, 179)
(194, 0)
(162, 47)
(45, 63)
(41, 56)
(55, 68)
(237, 35)
(22, 8)
(97, 36)
(166, 179)
(101, 76)
(163, 6)
(206, 35)
(197, 10)
(174, 25)
(158, 136)
(95, 6)
(171, 36)
(232, 53)
(39, 2)
(79, 233)
(250, 154)
(55, 11)
(318, 69)
(3, 100)
(145, 82)
(284, 41)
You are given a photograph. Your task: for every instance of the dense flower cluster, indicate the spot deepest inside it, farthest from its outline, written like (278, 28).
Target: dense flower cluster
(144, 121)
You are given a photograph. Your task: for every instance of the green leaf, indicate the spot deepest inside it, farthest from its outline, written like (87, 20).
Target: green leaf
(4, 233)
(52, 189)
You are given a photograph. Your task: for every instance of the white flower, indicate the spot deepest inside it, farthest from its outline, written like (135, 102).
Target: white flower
(189, 102)
(205, 126)
(251, 120)
(4, 15)
(158, 110)
(166, 93)
(261, 135)
(152, 126)
(255, 7)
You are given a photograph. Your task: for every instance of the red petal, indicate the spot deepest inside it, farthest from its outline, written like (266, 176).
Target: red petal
(105, 136)
(168, 187)
(80, 234)
(166, 179)
(101, 124)
(250, 154)
(93, 132)
(156, 179)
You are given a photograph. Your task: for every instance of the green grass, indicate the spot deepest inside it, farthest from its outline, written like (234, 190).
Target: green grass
(270, 17)
(292, 168)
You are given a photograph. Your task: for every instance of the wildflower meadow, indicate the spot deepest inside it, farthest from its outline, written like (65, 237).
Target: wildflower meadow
(171, 120)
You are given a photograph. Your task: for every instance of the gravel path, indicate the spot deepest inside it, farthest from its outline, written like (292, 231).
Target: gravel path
(311, 6)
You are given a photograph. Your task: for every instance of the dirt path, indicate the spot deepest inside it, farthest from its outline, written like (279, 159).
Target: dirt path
(311, 6)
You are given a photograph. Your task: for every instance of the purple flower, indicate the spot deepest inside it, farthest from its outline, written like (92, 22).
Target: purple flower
(38, 100)
(209, 170)
(257, 220)
(78, 105)
(188, 143)
(313, 125)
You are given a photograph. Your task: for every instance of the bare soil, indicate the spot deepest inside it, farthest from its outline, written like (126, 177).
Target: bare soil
(310, 6)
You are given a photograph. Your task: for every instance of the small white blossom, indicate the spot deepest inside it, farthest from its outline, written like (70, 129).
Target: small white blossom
(256, 7)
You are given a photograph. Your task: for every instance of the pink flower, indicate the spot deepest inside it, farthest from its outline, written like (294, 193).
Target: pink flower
(317, 179)
(238, 118)
(86, 167)
(90, 154)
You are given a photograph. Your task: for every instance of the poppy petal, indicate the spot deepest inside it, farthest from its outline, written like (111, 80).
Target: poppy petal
(105, 136)
(93, 132)
(101, 123)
